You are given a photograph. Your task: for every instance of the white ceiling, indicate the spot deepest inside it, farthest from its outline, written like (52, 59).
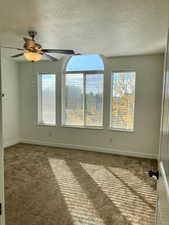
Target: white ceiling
(108, 27)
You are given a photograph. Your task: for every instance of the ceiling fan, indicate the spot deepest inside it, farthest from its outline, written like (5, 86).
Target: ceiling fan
(34, 51)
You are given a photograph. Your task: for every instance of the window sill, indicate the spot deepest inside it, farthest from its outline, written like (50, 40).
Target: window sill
(46, 125)
(121, 130)
(80, 127)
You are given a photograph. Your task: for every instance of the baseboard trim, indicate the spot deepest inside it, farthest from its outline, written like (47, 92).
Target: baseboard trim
(11, 142)
(89, 148)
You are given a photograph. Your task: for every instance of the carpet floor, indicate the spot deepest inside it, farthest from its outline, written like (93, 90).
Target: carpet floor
(52, 186)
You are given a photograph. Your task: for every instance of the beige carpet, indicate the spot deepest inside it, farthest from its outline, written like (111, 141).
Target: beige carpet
(50, 186)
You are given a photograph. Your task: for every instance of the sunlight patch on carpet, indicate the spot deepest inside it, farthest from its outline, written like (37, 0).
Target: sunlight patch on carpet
(119, 191)
(79, 206)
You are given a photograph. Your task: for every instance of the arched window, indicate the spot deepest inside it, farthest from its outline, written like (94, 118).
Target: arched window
(85, 63)
(83, 91)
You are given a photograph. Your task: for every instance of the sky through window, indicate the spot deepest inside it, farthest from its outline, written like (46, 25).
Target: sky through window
(85, 63)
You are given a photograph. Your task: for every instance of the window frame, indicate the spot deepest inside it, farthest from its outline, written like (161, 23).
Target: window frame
(89, 72)
(110, 114)
(39, 95)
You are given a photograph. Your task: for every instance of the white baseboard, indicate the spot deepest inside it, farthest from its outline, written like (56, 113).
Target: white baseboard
(90, 148)
(10, 142)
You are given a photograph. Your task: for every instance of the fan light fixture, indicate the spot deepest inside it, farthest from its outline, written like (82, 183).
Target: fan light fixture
(33, 56)
(34, 52)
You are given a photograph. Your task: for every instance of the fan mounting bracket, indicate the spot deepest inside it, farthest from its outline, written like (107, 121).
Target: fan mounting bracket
(32, 34)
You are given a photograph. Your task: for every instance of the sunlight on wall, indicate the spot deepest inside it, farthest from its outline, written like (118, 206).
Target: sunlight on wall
(80, 207)
(119, 190)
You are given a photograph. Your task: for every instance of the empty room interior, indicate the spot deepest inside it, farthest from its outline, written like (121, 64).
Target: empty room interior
(84, 112)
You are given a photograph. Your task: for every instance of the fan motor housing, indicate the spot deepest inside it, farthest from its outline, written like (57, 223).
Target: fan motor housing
(32, 46)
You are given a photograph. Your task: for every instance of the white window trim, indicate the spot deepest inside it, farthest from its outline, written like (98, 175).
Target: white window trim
(85, 71)
(39, 111)
(110, 115)
(121, 130)
(84, 127)
(46, 124)
(63, 99)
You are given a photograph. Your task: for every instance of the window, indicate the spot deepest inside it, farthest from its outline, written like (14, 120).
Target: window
(123, 100)
(47, 99)
(74, 99)
(83, 92)
(85, 63)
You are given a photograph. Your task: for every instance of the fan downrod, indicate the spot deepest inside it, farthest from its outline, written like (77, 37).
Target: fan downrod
(32, 34)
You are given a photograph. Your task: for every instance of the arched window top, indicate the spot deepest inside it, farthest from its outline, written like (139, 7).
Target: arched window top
(85, 63)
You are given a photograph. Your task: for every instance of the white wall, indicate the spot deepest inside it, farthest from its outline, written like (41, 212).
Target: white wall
(10, 101)
(142, 142)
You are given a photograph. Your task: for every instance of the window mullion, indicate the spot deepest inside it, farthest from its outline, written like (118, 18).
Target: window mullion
(39, 116)
(63, 95)
(40, 96)
(56, 114)
(84, 98)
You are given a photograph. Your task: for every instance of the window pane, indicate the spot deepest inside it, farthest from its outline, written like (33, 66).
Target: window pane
(123, 99)
(94, 100)
(85, 63)
(47, 99)
(74, 113)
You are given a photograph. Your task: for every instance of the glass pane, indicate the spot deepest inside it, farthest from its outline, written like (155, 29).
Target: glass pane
(94, 100)
(48, 98)
(74, 113)
(85, 63)
(123, 99)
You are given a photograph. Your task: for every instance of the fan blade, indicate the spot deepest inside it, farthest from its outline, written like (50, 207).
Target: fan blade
(51, 57)
(61, 51)
(14, 56)
(21, 49)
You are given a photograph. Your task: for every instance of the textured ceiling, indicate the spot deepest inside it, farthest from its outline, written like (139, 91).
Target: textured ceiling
(108, 27)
